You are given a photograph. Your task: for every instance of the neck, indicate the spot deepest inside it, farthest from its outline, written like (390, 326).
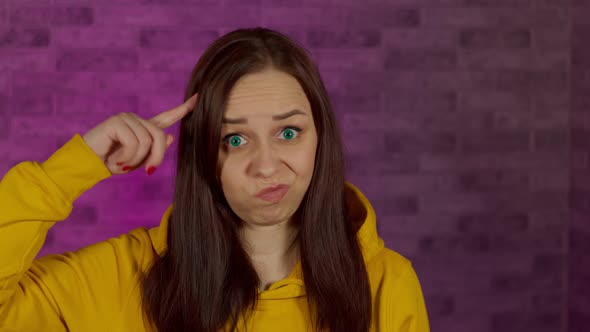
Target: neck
(273, 250)
(265, 242)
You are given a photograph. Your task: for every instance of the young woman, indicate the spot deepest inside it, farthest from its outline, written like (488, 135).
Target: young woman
(264, 233)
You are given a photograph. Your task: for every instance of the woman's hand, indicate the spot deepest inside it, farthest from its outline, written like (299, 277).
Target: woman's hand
(125, 141)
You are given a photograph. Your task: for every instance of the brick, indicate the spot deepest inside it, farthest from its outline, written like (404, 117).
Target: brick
(579, 241)
(5, 125)
(505, 160)
(383, 17)
(441, 142)
(4, 16)
(491, 180)
(520, 80)
(167, 38)
(17, 59)
(162, 15)
(405, 120)
(493, 17)
(441, 304)
(136, 83)
(84, 214)
(419, 38)
(494, 59)
(499, 3)
(97, 60)
(313, 17)
(367, 105)
(420, 59)
(427, 101)
(92, 2)
(152, 190)
(37, 125)
(30, 105)
(472, 243)
(167, 61)
(412, 183)
(515, 222)
(544, 38)
(44, 82)
(578, 320)
(385, 165)
(580, 58)
(174, 2)
(24, 37)
(547, 301)
(524, 321)
(507, 321)
(548, 262)
(82, 105)
(549, 180)
(485, 38)
(52, 15)
(324, 38)
(5, 82)
(550, 119)
(508, 141)
(580, 138)
(510, 283)
(92, 37)
(401, 205)
(551, 139)
(475, 101)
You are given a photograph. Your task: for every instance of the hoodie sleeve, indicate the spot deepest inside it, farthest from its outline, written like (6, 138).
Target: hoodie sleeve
(33, 197)
(403, 308)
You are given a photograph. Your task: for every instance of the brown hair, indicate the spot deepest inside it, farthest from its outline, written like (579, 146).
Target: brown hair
(205, 277)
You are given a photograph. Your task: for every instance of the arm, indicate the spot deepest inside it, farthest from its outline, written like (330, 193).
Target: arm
(403, 308)
(33, 197)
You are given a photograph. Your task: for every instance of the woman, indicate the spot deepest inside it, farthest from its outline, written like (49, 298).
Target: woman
(264, 233)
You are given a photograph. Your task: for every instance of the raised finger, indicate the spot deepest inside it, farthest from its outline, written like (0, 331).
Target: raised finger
(168, 118)
(143, 136)
(159, 146)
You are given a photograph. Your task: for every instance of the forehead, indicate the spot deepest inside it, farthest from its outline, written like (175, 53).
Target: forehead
(264, 93)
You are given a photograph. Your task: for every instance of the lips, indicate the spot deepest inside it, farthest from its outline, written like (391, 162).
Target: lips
(273, 194)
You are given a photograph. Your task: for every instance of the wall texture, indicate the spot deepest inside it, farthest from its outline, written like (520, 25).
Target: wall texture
(465, 121)
(578, 273)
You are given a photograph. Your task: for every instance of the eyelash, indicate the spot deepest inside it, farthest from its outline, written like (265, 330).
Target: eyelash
(227, 137)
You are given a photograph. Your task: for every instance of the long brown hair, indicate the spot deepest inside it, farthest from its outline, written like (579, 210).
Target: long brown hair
(205, 278)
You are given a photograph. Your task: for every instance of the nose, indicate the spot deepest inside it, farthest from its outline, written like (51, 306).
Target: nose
(265, 161)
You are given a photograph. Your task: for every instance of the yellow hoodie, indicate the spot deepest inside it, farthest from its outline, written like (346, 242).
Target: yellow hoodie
(96, 288)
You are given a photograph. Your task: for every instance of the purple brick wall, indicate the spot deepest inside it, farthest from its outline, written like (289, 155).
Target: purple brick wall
(455, 115)
(579, 227)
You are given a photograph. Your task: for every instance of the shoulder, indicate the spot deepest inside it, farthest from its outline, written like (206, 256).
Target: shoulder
(397, 293)
(392, 270)
(390, 262)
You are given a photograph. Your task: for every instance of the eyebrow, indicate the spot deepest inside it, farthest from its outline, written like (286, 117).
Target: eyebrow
(274, 117)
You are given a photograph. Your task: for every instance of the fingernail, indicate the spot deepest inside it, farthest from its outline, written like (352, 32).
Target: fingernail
(126, 168)
(151, 170)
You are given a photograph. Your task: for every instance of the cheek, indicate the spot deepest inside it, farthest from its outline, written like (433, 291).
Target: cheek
(302, 160)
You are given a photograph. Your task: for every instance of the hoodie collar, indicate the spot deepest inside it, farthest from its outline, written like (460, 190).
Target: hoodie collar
(362, 215)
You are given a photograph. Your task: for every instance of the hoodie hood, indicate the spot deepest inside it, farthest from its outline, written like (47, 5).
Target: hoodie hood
(361, 213)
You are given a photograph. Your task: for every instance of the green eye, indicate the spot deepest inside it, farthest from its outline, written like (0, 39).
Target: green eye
(235, 141)
(288, 134)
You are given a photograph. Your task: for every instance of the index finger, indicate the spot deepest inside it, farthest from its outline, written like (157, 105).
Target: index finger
(169, 117)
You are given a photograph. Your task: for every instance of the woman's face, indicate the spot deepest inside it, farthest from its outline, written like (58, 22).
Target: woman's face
(268, 139)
